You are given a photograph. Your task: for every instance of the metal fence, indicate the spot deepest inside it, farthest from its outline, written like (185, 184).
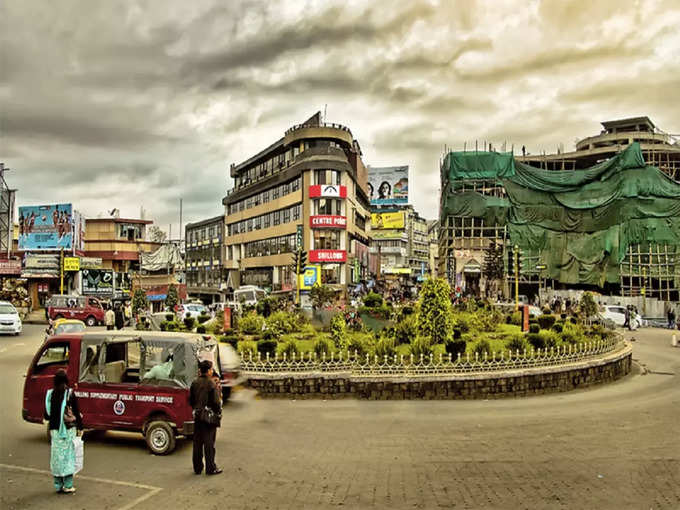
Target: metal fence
(355, 365)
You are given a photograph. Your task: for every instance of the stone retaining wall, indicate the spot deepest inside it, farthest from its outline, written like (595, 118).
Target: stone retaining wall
(510, 383)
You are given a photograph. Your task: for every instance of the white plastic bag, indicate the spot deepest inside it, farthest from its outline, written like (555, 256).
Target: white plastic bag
(78, 445)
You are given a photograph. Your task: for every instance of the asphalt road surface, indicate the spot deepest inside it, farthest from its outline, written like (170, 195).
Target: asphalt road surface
(614, 446)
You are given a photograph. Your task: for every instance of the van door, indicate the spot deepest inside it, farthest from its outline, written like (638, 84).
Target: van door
(51, 358)
(118, 406)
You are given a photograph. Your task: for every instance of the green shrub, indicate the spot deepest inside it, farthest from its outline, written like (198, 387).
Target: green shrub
(265, 307)
(358, 343)
(434, 316)
(551, 340)
(266, 346)
(200, 329)
(380, 312)
(407, 310)
(246, 348)
(189, 323)
(455, 347)
(229, 339)
(204, 317)
(290, 348)
(457, 334)
(461, 323)
(546, 321)
(163, 326)
(508, 318)
(172, 326)
(534, 328)
(557, 327)
(282, 323)
(169, 317)
(482, 347)
(406, 330)
(536, 340)
(251, 324)
(516, 343)
(516, 318)
(421, 346)
(568, 337)
(338, 330)
(323, 346)
(385, 347)
(373, 300)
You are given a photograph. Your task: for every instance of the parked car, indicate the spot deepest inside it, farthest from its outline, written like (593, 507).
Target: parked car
(63, 326)
(191, 308)
(128, 382)
(617, 314)
(10, 322)
(85, 308)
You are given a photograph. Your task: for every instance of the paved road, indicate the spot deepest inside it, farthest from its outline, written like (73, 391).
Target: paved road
(614, 446)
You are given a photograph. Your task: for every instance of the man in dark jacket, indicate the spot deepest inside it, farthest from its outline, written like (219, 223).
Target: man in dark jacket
(204, 393)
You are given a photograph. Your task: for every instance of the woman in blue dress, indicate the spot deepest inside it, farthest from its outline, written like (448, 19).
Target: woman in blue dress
(62, 432)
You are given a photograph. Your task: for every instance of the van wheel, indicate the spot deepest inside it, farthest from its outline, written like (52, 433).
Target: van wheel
(160, 438)
(226, 393)
(91, 321)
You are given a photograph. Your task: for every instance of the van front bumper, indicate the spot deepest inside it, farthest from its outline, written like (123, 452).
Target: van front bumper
(188, 428)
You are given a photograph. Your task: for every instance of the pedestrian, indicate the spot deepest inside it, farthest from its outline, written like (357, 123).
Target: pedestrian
(626, 322)
(205, 401)
(671, 318)
(61, 410)
(109, 318)
(119, 317)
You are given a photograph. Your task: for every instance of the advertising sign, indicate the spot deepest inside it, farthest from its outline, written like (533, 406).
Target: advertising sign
(388, 185)
(327, 255)
(328, 221)
(46, 227)
(327, 190)
(388, 234)
(387, 220)
(10, 267)
(97, 282)
(90, 263)
(298, 238)
(71, 264)
(310, 277)
(37, 265)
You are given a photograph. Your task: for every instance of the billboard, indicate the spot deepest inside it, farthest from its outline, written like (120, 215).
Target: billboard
(388, 185)
(97, 282)
(46, 227)
(309, 277)
(387, 220)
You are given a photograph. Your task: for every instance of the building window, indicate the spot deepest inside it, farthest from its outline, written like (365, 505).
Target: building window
(265, 220)
(257, 222)
(296, 212)
(295, 185)
(277, 218)
(326, 240)
(250, 225)
(327, 177)
(129, 231)
(330, 273)
(327, 206)
(286, 215)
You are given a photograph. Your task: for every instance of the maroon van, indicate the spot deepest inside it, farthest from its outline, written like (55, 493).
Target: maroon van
(83, 308)
(124, 380)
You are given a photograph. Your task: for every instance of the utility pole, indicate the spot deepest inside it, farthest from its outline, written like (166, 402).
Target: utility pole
(61, 271)
(516, 257)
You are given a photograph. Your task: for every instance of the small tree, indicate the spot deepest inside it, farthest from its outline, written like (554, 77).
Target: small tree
(172, 298)
(321, 295)
(139, 302)
(588, 306)
(156, 235)
(434, 318)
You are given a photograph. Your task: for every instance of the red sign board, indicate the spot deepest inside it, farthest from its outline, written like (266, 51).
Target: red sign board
(327, 256)
(327, 221)
(10, 267)
(327, 190)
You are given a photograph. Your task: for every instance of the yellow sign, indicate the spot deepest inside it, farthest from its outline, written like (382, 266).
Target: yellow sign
(71, 264)
(309, 277)
(387, 220)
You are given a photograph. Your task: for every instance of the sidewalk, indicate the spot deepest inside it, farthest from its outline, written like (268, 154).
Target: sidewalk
(35, 317)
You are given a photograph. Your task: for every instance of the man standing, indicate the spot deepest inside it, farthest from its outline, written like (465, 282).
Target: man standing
(109, 318)
(204, 394)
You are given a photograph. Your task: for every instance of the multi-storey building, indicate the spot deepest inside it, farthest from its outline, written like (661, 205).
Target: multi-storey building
(308, 187)
(433, 239)
(204, 259)
(118, 242)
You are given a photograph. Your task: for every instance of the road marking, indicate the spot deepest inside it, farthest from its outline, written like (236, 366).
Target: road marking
(152, 490)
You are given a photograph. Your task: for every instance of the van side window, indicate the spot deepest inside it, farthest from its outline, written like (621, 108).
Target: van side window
(122, 362)
(55, 354)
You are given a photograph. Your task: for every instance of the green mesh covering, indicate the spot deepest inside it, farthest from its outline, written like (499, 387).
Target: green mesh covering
(578, 223)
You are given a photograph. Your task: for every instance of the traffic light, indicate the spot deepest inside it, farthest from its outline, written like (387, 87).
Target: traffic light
(303, 261)
(511, 262)
(299, 261)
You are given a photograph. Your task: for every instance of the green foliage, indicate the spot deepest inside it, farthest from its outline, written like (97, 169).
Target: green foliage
(546, 321)
(172, 298)
(407, 310)
(482, 347)
(321, 295)
(251, 323)
(229, 339)
(173, 326)
(200, 329)
(373, 300)
(265, 347)
(551, 340)
(558, 327)
(359, 343)
(143, 324)
(289, 349)
(265, 307)
(163, 325)
(338, 330)
(139, 302)
(421, 346)
(588, 306)
(434, 318)
(246, 348)
(516, 318)
(323, 346)
(455, 347)
(380, 312)
(189, 323)
(536, 340)
(169, 317)
(516, 343)
(534, 328)
(281, 323)
(385, 347)
(406, 330)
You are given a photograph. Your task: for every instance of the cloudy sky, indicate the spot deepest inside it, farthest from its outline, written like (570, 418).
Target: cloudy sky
(138, 103)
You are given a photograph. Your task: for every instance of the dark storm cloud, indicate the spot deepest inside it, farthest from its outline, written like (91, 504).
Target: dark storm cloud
(139, 103)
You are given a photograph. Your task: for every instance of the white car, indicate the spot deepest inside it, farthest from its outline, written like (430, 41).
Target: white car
(617, 314)
(10, 322)
(193, 309)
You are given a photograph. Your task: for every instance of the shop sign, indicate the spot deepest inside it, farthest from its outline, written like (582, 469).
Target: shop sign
(71, 264)
(396, 270)
(328, 221)
(90, 263)
(387, 220)
(327, 190)
(97, 282)
(10, 267)
(327, 256)
(310, 277)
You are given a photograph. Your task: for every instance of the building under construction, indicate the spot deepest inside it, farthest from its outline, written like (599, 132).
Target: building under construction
(605, 217)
